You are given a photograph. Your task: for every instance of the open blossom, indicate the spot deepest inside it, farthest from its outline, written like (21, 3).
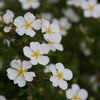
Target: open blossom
(86, 51)
(75, 3)
(63, 24)
(60, 75)
(91, 8)
(51, 30)
(75, 93)
(36, 53)
(7, 17)
(19, 72)
(27, 4)
(26, 24)
(54, 43)
(71, 15)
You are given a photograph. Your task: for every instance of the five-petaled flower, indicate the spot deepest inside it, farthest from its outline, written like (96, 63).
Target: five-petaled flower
(75, 93)
(36, 53)
(26, 24)
(19, 72)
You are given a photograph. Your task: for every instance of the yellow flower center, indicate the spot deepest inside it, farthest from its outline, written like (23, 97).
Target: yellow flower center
(60, 75)
(61, 27)
(37, 53)
(75, 97)
(29, 0)
(49, 31)
(50, 42)
(21, 71)
(28, 24)
(91, 8)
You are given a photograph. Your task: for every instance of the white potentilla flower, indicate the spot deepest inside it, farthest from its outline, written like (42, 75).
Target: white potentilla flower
(7, 17)
(91, 8)
(75, 3)
(36, 53)
(75, 93)
(7, 29)
(63, 24)
(71, 15)
(2, 97)
(60, 76)
(95, 83)
(86, 51)
(26, 24)
(47, 16)
(2, 3)
(7, 42)
(27, 4)
(49, 68)
(19, 72)
(51, 30)
(54, 43)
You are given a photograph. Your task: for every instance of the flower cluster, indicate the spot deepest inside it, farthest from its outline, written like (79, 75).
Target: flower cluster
(91, 7)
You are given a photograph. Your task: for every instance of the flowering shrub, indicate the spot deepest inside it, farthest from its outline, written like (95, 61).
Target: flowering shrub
(49, 49)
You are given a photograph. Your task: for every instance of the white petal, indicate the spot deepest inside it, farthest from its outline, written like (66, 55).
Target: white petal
(2, 97)
(84, 4)
(75, 88)
(20, 81)
(62, 84)
(45, 25)
(58, 47)
(60, 67)
(87, 13)
(26, 64)
(69, 93)
(29, 17)
(20, 30)
(29, 76)
(15, 64)
(83, 94)
(7, 29)
(37, 24)
(54, 81)
(35, 45)
(11, 73)
(25, 5)
(34, 61)
(35, 4)
(30, 32)
(27, 51)
(67, 74)
(19, 21)
(43, 60)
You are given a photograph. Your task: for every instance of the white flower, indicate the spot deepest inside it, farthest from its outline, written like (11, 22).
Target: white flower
(7, 29)
(46, 16)
(36, 53)
(27, 4)
(76, 3)
(75, 93)
(91, 8)
(6, 41)
(54, 43)
(2, 97)
(26, 24)
(51, 30)
(8, 17)
(86, 51)
(63, 24)
(60, 76)
(94, 82)
(71, 15)
(19, 72)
